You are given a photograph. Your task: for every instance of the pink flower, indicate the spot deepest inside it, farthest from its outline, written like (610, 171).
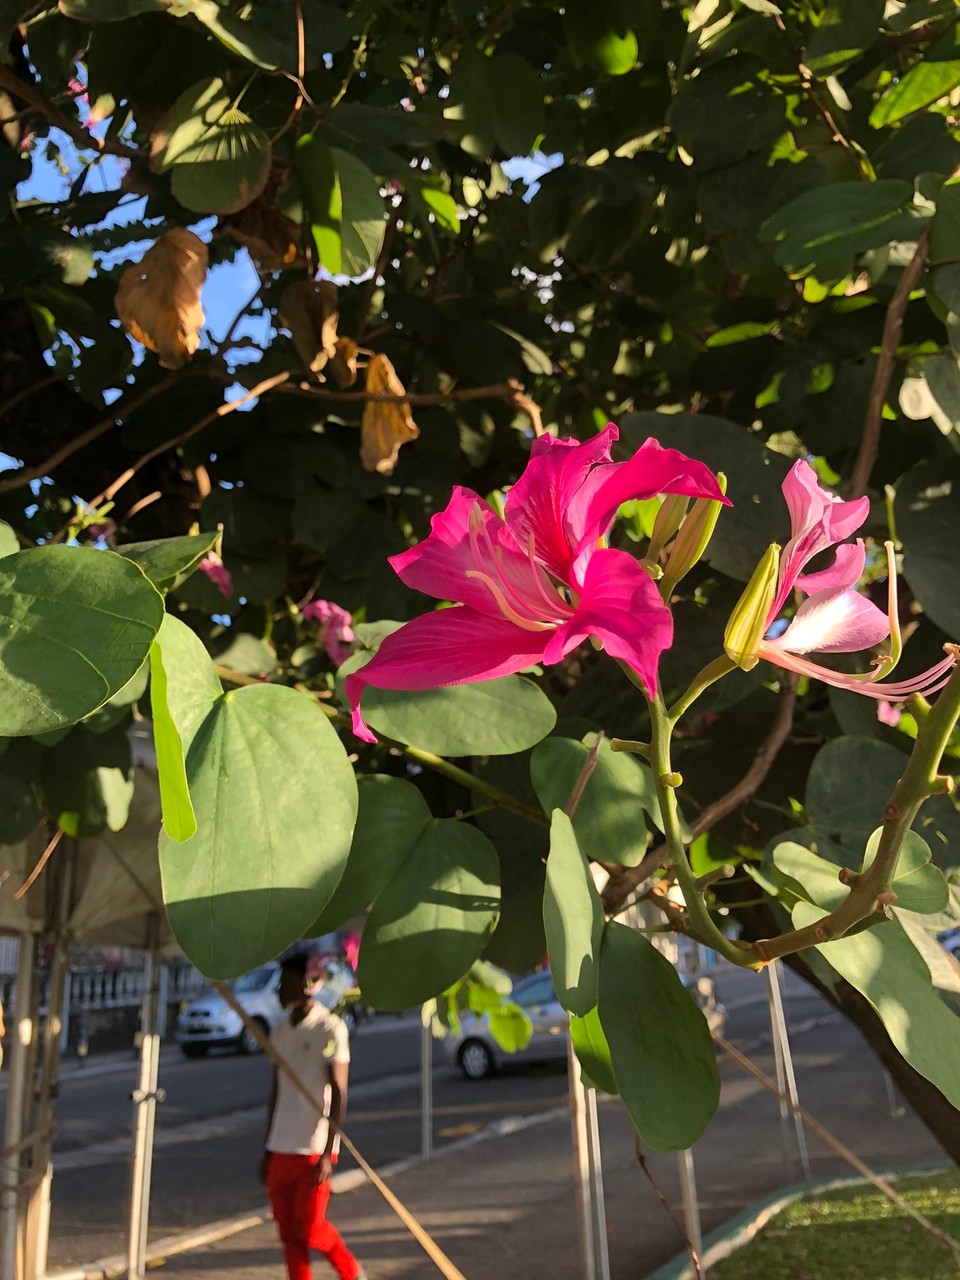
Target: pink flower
(336, 634)
(534, 585)
(835, 617)
(218, 573)
(107, 530)
(888, 714)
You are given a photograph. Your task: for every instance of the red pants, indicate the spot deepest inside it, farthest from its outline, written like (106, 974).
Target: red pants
(299, 1206)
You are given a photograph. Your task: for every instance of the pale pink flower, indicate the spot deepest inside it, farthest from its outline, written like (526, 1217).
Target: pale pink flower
(218, 573)
(835, 617)
(336, 634)
(534, 585)
(888, 714)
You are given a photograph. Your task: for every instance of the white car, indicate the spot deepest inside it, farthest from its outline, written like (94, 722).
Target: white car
(478, 1055)
(209, 1021)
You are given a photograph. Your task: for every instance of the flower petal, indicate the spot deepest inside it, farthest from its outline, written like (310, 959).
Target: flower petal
(622, 608)
(540, 500)
(846, 570)
(926, 683)
(837, 621)
(438, 565)
(650, 471)
(446, 647)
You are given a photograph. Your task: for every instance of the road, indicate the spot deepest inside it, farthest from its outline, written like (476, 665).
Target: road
(210, 1128)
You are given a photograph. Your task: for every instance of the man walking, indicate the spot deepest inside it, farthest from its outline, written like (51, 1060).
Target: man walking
(302, 1147)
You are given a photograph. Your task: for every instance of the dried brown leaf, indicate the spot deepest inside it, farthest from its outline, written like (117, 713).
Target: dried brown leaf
(343, 366)
(385, 426)
(158, 299)
(270, 235)
(309, 310)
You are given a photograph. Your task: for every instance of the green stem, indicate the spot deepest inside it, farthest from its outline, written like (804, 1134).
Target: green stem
(710, 674)
(661, 725)
(873, 891)
(456, 774)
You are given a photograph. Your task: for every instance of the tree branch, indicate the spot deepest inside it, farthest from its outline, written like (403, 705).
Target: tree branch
(630, 878)
(81, 137)
(85, 437)
(221, 411)
(511, 391)
(889, 345)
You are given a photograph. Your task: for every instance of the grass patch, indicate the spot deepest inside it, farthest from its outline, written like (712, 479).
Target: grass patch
(854, 1234)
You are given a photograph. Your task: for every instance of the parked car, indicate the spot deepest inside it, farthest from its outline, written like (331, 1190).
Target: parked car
(950, 941)
(478, 1055)
(209, 1021)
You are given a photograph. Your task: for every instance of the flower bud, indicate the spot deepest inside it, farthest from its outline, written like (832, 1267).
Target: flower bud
(693, 538)
(667, 522)
(748, 621)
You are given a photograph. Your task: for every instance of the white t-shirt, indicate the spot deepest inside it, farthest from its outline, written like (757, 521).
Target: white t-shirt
(310, 1047)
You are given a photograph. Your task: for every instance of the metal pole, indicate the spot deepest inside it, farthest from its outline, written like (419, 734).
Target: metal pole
(23, 1026)
(786, 1080)
(581, 1167)
(896, 1110)
(691, 1208)
(426, 1085)
(37, 1218)
(145, 1098)
(597, 1201)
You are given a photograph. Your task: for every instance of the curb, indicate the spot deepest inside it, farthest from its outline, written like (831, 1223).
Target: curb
(742, 1227)
(351, 1180)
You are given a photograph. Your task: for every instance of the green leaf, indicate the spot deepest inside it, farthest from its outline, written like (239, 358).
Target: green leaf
(443, 207)
(596, 41)
(934, 76)
(945, 235)
(391, 818)
(489, 718)
(804, 875)
(885, 967)
(317, 173)
(918, 884)
(433, 919)
(266, 33)
(515, 99)
(87, 782)
(510, 1026)
(168, 562)
(9, 542)
(193, 689)
(845, 31)
(590, 1046)
(109, 10)
(276, 801)
(249, 655)
(363, 218)
(75, 626)
(838, 219)
(755, 474)
(220, 158)
(927, 512)
(179, 819)
(849, 783)
(20, 805)
(607, 820)
(660, 1046)
(572, 919)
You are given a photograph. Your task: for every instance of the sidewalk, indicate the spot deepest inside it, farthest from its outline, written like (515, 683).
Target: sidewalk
(506, 1205)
